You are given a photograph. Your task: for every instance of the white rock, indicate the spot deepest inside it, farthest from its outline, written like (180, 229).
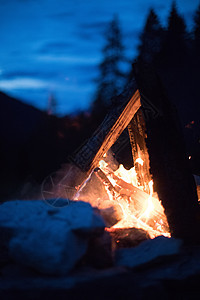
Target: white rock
(148, 251)
(50, 240)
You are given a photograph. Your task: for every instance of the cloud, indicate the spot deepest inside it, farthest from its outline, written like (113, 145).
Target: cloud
(22, 83)
(69, 59)
(11, 74)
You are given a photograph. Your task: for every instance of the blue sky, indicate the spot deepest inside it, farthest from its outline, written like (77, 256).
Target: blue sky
(54, 46)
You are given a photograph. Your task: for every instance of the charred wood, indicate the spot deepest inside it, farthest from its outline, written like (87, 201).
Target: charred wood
(172, 177)
(89, 155)
(127, 237)
(137, 134)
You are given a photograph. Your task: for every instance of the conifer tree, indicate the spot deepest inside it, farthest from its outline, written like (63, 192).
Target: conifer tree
(151, 38)
(197, 29)
(112, 77)
(176, 24)
(176, 37)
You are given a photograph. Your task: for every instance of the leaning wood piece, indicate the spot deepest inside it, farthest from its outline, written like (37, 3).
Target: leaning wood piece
(172, 177)
(137, 134)
(119, 126)
(104, 179)
(137, 198)
(89, 155)
(121, 188)
(128, 189)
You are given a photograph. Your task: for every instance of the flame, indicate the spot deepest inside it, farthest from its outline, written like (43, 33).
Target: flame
(139, 208)
(102, 164)
(144, 212)
(150, 206)
(129, 176)
(139, 161)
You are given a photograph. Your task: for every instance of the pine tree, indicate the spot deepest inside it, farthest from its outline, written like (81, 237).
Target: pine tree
(176, 24)
(151, 38)
(197, 29)
(112, 77)
(176, 38)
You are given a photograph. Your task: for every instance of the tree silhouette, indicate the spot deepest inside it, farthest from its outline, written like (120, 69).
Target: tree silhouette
(197, 29)
(176, 38)
(151, 38)
(111, 78)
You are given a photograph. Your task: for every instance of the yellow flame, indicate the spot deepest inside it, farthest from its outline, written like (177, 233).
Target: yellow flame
(102, 164)
(129, 176)
(147, 213)
(150, 206)
(139, 161)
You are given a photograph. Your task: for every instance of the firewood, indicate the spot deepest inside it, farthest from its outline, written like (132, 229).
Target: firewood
(173, 180)
(137, 134)
(137, 199)
(89, 155)
(129, 189)
(127, 237)
(121, 187)
(103, 178)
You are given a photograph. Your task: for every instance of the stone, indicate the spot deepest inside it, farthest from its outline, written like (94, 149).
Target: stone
(48, 239)
(99, 254)
(148, 252)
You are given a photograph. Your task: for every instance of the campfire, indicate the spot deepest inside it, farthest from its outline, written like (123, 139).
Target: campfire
(125, 201)
(157, 194)
(129, 194)
(125, 198)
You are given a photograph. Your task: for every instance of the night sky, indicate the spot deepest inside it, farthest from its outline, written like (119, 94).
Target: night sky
(54, 46)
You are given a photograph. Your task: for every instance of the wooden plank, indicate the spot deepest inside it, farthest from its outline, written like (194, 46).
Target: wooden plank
(118, 127)
(92, 150)
(137, 134)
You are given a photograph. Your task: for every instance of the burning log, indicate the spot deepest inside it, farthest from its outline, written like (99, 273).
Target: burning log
(122, 187)
(142, 209)
(104, 179)
(172, 177)
(129, 190)
(88, 157)
(137, 134)
(159, 142)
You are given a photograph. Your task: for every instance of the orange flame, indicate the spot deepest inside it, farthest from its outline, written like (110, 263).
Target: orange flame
(142, 212)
